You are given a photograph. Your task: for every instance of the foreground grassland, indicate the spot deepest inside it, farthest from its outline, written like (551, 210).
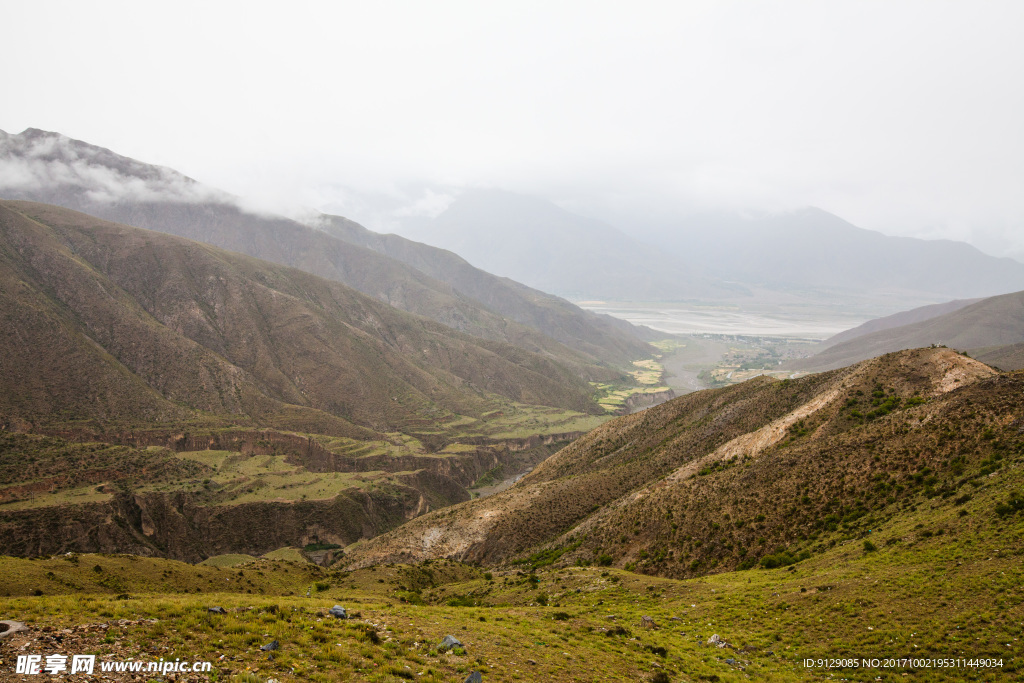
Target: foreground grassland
(917, 594)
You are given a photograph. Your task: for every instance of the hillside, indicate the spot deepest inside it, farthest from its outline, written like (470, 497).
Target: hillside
(47, 167)
(601, 336)
(714, 479)
(993, 322)
(1005, 357)
(870, 516)
(900, 319)
(197, 400)
(227, 334)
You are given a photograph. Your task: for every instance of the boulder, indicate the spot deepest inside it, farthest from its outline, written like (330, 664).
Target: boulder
(338, 612)
(450, 642)
(272, 645)
(647, 622)
(474, 677)
(9, 628)
(216, 610)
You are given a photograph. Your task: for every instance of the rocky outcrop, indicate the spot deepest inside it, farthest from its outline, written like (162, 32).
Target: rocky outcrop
(176, 527)
(640, 401)
(189, 527)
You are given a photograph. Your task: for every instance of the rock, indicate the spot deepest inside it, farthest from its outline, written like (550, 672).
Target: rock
(730, 661)
(449, 642)
(9, 628)
(338, 612)
(216, 610)
(647, 622)
(715, 640)
(272, 645)
(474, 677)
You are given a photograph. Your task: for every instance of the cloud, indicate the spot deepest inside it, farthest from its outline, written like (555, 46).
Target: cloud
(39, 161)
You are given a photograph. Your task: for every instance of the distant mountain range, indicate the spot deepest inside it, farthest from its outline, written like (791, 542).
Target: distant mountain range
(990, 329)
(534, 241)
(808, 254)
(814, 249)
(47, 167)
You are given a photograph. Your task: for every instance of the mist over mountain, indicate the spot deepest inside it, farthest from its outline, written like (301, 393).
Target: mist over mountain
(47, 167)
(534, 241)
(809, 254)
(814, 248)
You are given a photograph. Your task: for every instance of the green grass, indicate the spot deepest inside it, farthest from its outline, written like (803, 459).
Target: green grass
(288, 554)
(76, 496)
(930, 595)
(229, 560)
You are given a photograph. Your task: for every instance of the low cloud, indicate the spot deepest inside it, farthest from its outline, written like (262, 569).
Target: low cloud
(37, 161)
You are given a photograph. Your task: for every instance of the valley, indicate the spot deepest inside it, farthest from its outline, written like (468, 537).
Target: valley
(739, 473)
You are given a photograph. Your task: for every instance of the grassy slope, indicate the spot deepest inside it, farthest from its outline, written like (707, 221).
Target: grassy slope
(720, 478)
(921, 596)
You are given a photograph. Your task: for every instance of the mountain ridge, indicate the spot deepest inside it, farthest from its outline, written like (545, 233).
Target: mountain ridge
(48, 167)
(991, 322)
(643, 471)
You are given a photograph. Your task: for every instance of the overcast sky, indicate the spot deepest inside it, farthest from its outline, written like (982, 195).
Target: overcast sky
(903, 117)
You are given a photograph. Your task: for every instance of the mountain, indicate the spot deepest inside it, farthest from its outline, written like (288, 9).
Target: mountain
(724, 478)
(47, 167)
(993, 322)
(900, 319)
(601, 336)
(812, 251)
(166, 397)
(106, 321)
(534, 241)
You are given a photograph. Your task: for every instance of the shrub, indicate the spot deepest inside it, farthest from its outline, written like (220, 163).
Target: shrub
(869, 547)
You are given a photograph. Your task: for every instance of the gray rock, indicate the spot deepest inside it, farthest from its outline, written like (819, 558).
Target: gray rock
(730, 661)
(474, 677)
(449, 642)
(272, 645)
(338, 612)
(216, 610)
(9, 628)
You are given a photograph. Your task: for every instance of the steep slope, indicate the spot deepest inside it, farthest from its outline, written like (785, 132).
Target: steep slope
(1005, 357)
(106, 321)
(995, 321)
(47, 167)
(601, 336)
(554, 250)
(718, 477)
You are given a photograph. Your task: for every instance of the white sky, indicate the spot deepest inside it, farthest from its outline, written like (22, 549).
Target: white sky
(905, 117)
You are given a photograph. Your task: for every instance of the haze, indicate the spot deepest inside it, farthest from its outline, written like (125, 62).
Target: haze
(899, 117)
